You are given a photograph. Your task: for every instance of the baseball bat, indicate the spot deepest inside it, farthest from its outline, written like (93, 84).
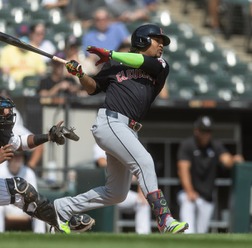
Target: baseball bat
(20, 44)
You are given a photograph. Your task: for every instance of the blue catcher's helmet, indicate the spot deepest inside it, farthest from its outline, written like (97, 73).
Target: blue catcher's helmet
(7, 118)
(141, 37)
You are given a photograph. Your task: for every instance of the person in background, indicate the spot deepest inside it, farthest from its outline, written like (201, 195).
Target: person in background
(83, 11)
(129, 11)
(73, 51)
(17, 63)
(213, 13)
(197, 161)
(16, 168)
(134, 202)
(105, 33)
(37, 39)
(56, 83)
(51, 4)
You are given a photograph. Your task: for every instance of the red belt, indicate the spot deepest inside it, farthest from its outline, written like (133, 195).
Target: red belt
(136, 126)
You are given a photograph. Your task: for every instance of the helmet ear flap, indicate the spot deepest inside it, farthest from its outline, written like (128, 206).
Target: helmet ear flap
(142, 42)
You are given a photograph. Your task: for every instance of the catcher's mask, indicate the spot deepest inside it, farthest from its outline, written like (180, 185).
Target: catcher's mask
(7, 117)
(141, 37)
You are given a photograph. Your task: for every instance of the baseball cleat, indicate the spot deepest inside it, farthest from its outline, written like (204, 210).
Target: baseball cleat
(81, 223)
(62, 225)
(175, 227)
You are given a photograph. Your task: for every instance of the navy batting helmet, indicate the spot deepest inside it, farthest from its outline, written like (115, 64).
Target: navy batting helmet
(7, 118)
(141, 37)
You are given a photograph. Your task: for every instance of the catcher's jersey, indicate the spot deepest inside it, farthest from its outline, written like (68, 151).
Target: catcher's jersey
(131, 91)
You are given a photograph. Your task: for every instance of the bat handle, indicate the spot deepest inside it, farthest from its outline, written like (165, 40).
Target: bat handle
(63, 61)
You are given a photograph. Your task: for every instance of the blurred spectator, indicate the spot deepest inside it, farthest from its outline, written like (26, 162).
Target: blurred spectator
(130, 10)
(16, 167)
(37, 39)
(51, 4)
(213, 14)
(17, 63)
(105, 33)
(56, 83)
(198, 159)
(83, 11)
(73, 51)
(134, 202)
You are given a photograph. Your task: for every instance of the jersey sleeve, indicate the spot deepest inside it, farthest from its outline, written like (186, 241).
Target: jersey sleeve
(219, 147)
(155, 66)
(15, 141)
(184, 152)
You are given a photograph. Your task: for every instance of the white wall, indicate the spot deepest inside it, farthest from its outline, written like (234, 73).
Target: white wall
(80, 151)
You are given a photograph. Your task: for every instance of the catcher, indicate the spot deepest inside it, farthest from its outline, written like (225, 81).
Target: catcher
(18, 191)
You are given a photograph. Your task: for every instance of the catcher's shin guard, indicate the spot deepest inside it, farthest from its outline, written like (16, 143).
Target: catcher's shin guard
(159, 208)
(18, 185)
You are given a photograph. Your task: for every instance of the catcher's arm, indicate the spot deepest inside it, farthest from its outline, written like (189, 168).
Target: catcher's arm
(57, 134)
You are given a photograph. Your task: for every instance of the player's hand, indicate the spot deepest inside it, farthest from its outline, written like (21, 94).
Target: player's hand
(104, 54)
(74, 68)
(6, 153)
(192, 195)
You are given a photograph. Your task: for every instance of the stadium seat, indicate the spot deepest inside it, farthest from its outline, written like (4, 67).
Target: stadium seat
(177, 66)
(240, 68)
(6, 16)
(172, 29)
(203, 68)
(224, 86)
(214, 56)
(178, 55)
(193, 42)
(182, 85)
(24, 5)
(30, 85)
(40, 15)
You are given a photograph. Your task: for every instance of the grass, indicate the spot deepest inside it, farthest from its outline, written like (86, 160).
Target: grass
(109, 240)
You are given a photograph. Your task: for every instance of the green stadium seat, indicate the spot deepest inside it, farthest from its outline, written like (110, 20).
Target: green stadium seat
(213, 56)
(240, 68)
(30, 85)
(40, 15)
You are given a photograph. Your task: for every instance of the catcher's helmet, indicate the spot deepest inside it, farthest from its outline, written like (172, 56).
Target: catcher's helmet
(141, 37)
(7, 119)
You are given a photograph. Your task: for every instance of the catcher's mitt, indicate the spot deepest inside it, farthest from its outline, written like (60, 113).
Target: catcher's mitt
(58, 134)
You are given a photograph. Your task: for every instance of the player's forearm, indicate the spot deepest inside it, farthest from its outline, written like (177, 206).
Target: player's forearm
(185, 177)
(88, 84)
(134, 60)
(35, 140)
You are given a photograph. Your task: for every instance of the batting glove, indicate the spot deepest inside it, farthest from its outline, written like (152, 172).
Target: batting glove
(104, 54)
(74, 68)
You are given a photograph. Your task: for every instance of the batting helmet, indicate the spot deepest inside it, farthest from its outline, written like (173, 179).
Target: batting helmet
(141, 37)
(7, 118)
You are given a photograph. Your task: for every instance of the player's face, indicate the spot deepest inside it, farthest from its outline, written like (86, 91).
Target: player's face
(156, 47)
(203, 137)
(5, 111)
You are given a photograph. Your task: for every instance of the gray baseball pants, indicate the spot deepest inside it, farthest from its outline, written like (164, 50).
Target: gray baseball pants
(125, 156)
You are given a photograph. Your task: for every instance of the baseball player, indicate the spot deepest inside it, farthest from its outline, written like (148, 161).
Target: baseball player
(131, 82)
(17, 190)
(198, 159)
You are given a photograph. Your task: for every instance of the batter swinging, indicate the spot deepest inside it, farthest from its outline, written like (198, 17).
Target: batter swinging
(131, 82)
